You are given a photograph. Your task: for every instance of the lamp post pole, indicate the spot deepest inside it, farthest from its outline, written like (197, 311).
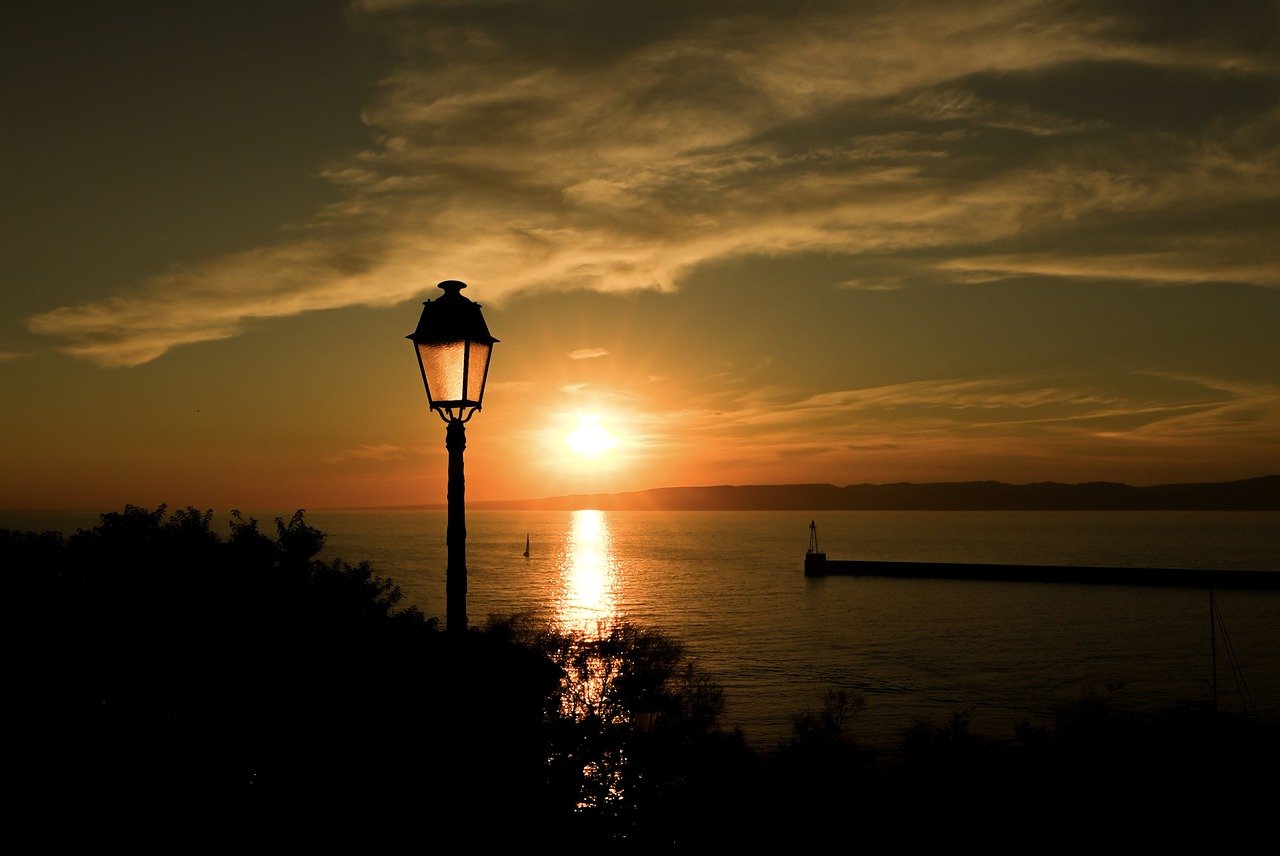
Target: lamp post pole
(453, 346)
(455, 440)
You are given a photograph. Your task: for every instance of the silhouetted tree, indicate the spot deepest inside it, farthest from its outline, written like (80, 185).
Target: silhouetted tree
(635, 745)
(164, 659)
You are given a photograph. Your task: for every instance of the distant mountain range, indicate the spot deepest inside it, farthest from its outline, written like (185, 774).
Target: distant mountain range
(1261, 494)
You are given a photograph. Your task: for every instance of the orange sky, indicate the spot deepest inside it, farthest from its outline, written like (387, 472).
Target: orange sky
(850, 243)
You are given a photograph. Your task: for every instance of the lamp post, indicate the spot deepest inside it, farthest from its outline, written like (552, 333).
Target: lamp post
(453, 346)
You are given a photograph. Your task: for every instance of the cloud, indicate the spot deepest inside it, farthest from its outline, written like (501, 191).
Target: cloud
(1140, 409)
(588, 353)
(613, 148)
(365, 452)
(1172, 267)
(1072, 426)
(9, 356)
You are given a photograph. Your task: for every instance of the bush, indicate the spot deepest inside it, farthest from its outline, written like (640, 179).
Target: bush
(160, 658)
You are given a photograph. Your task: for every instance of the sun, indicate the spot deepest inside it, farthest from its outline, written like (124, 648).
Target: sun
(590, 439)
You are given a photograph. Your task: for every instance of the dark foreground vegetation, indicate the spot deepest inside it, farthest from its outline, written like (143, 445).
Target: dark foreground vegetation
(158, 662)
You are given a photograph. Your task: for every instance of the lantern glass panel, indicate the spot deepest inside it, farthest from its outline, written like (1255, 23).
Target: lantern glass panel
(479, 366)
(442, 365)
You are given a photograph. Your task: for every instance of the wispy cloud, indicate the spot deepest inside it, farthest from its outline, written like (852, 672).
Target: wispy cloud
(1018, 416)
(366, 452)
(1171, 267)
(588, 353)
(1002, 428)
(9, 356)
(543, 149)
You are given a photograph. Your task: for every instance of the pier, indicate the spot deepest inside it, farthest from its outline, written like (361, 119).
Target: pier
(818, 565)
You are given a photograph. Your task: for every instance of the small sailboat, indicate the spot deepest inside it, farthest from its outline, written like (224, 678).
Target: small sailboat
(526, 545)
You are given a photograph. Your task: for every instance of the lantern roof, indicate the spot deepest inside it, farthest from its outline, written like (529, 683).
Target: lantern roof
(451, 318)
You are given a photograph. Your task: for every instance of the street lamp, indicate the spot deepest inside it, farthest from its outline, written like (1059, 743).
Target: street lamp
(453, 347)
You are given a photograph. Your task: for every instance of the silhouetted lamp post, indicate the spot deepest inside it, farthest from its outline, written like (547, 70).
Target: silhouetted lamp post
(453, 347)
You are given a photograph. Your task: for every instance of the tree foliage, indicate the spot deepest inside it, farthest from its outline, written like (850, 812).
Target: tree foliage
(168, 658)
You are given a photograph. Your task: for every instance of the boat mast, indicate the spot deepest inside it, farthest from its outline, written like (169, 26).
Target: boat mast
(1213, 648)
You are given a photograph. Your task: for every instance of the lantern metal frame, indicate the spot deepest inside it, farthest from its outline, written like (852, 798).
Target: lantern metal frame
(453, 320)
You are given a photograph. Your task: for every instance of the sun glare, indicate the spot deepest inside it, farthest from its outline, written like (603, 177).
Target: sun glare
(590, 439)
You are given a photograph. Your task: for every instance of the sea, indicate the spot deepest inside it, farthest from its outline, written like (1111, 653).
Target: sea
(730, 586)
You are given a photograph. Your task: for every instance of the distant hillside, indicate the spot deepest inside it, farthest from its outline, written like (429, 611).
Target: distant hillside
(1261, 493)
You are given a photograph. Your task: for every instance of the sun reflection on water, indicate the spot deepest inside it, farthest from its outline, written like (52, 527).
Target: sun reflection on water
(588, 576)
(586, 608)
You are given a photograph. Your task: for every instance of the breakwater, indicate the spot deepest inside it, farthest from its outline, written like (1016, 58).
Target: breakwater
(818, 565)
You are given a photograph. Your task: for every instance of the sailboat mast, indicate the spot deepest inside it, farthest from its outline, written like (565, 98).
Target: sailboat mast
(1213, 648)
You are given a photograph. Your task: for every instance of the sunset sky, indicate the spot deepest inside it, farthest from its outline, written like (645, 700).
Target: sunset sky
(719, 242)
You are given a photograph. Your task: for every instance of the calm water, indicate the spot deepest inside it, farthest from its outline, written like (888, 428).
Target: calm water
(731, 586)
